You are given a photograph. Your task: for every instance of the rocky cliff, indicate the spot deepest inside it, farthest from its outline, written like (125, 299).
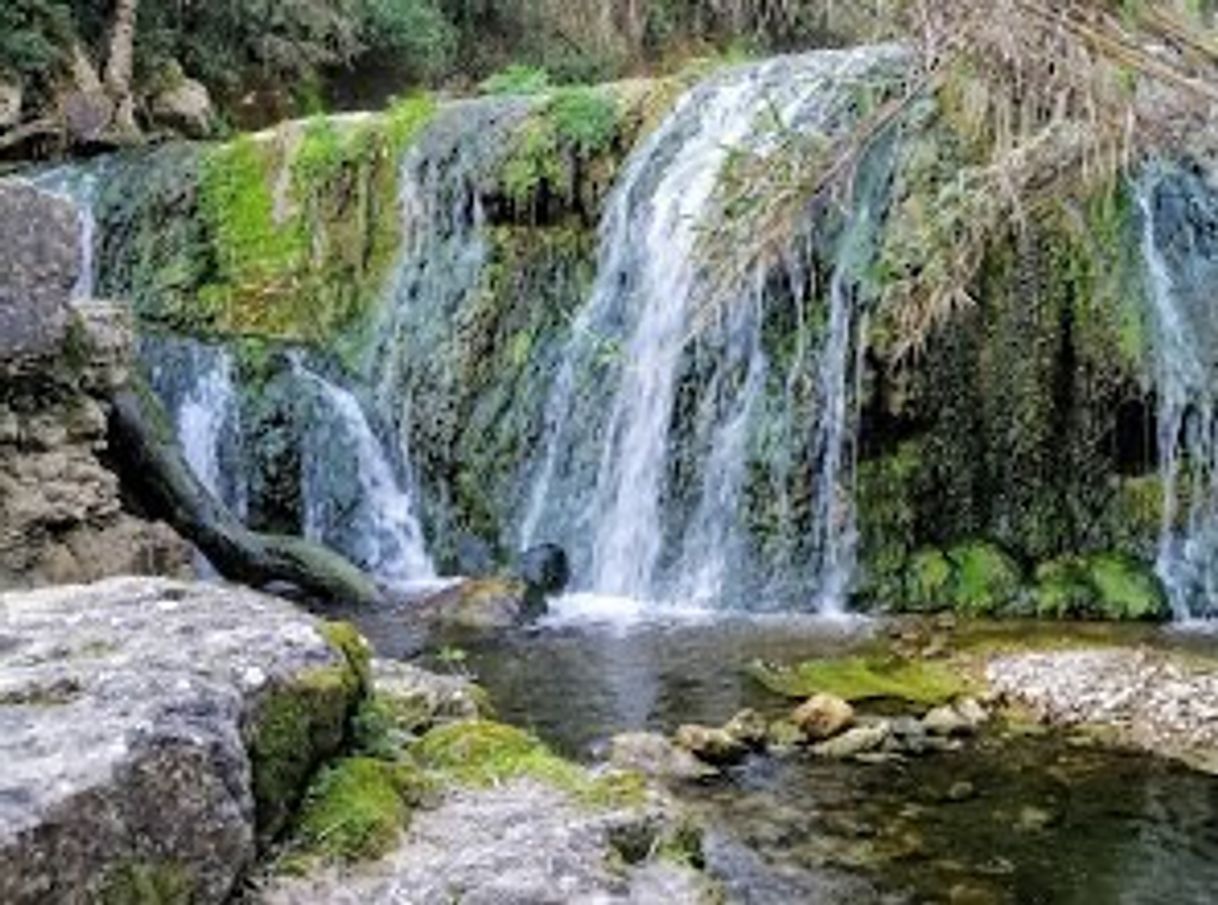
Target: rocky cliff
(62, 517)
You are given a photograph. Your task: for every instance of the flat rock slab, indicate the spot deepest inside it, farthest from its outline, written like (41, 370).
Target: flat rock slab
(519, 844)
(128, 711)
(1154, 700)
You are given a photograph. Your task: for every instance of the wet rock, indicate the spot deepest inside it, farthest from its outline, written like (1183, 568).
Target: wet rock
(186, 108)
(823, 716)
(853, 742)
(947, 721)
(972, 712)
(783, 734)
(962, 790)
(715, 746)
(546, 568)
(907, 735)
(420, 699)
(749, 728)
(38, 268)
(478, 605)
(1032, 819)
(655, 756)
(152, 730)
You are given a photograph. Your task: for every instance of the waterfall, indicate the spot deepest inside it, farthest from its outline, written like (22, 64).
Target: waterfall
(78, 185)
(1185, 360)
(606, 469)
(373, 520)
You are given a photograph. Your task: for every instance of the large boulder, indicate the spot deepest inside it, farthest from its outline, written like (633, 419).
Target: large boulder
(39, 263)
(153, 732)
(186, 107)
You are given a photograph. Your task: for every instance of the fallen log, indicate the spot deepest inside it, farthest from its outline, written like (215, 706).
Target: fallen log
(152, 466)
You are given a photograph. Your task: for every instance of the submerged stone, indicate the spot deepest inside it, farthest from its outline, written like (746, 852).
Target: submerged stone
(823, 716)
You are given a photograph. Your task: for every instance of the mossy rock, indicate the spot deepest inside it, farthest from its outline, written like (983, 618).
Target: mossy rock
(482, 753)
(985, 581)
(865, 678)
(928, 580)
(1063, 588)
(297, 725)
(356, 809)
(1127, 589)
(1105, 586)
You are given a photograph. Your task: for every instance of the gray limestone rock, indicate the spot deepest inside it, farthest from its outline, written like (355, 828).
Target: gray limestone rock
(143, 723)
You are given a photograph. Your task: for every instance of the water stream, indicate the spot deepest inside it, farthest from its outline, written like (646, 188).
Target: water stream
(606, 471)
(375, 522)
(1174, 211)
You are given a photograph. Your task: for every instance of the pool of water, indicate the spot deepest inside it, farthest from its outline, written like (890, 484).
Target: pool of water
(1012, 817)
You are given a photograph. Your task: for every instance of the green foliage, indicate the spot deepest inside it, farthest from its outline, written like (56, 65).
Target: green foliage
(32, 34)
(413, 30)
(573, 128)
(517, 79)
(356, 809)
(865, 678)
(1063, 589)
(928, 584)
(585, 119)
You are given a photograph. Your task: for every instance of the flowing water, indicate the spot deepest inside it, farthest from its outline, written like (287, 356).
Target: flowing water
(605, 478)
(1047, 818)
(79, 185)
(1178, 214)
(375, 522)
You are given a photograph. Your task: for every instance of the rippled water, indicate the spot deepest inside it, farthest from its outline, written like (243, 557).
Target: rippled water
(1048, 818)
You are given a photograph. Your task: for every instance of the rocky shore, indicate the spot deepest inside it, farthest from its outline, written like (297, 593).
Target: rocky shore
(1150, 699)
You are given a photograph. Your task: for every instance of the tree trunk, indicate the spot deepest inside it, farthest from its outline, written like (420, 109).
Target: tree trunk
(120, 66)
(152, 466)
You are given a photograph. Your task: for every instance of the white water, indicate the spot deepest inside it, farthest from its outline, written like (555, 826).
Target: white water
(392, 545)
(202, 417)
(651, 280)
(78, 185)
(1187, 419)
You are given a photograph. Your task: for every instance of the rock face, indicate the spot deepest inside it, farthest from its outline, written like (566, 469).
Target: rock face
(145, 726)
(38, 267)
(61, 515)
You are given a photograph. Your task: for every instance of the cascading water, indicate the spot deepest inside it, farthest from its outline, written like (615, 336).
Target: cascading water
(79, 185)
(1178, 214)
(373, 519)
(611, 465)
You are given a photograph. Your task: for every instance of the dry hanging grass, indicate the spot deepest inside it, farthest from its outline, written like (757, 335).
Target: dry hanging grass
(1045, 99)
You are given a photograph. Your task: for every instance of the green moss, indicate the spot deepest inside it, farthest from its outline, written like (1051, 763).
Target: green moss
(929, 579)
(1126, 589)
(1062, 589)
(865, 678)
(147, 883)
(299, 724)
(986, 580)
(356, 808)
(484, 753)
(1104, 586)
